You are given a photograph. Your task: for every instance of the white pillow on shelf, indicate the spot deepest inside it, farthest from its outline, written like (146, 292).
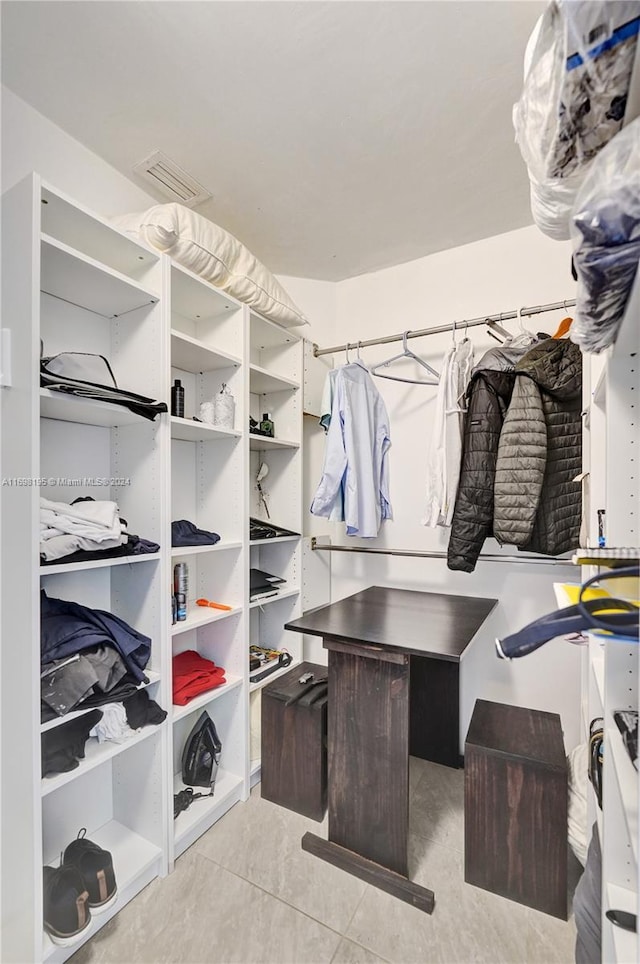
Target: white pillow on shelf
(215, 255)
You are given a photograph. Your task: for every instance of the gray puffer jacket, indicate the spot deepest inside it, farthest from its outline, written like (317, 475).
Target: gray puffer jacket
(537, 505)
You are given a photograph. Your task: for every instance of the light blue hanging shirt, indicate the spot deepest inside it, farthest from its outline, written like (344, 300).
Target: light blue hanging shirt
(356, 454)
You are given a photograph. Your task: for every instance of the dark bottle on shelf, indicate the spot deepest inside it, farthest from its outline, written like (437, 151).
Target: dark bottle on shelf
(177, 399)
(266, 425)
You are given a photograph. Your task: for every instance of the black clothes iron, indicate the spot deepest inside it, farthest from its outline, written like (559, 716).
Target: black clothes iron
(200, 762)
(201, 754)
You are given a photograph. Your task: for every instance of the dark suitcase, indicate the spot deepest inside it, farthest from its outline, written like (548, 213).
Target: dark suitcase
(294, 741)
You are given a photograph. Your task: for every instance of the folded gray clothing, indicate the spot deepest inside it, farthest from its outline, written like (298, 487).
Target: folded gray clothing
(108, 665)
(67, 682)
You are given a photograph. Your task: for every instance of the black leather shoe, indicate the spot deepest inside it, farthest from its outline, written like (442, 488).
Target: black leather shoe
(96, 867)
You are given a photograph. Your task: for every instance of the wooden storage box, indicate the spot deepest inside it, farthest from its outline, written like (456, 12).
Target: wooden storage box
(294, 742)
(515, 806)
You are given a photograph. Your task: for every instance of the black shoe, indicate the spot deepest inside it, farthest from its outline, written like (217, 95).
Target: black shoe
(66, 904)
(96, 867)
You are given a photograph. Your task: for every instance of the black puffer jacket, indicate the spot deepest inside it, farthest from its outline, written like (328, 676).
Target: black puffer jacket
(537, 505)
(488, 395)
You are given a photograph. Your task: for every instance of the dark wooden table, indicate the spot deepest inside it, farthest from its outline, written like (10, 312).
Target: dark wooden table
(393, 670)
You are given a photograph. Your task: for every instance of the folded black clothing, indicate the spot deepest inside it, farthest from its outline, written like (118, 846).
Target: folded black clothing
(141, 710)
(185, 533)
(63, 746)
(259, 529)
(134, 546)
(125, 688)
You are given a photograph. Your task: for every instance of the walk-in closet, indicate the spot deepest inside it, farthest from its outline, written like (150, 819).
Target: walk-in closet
(319, 491)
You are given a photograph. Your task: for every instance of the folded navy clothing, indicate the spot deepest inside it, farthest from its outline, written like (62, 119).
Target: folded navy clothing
(68, 627)
(185, 533)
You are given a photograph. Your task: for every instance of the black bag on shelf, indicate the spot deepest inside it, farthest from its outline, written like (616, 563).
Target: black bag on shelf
(90, 376)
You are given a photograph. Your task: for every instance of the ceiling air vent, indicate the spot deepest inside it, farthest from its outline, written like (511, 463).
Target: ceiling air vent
(171, 180)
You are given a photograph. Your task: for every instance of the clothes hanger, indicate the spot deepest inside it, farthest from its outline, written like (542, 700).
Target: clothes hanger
(406, 353)
(524, 338)
(564, 325)
(359, 360)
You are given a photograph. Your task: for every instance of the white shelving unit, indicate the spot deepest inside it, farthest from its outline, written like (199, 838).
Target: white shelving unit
(72, 280)
(275, 387)
(208, 345)
(611, 667)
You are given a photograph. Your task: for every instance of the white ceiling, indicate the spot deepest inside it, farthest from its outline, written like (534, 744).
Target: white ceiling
(336, 137)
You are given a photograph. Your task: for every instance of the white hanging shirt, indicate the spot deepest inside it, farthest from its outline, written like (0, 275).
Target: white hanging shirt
(445, 453)
(356, 454)
(326, 407)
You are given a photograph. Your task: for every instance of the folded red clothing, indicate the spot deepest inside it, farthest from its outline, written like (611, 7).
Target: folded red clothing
(193, 674)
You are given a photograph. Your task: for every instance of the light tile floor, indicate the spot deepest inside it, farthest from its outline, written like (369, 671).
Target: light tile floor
(246, 892)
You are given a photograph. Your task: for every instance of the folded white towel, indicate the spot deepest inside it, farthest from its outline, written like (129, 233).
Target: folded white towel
(95, 520)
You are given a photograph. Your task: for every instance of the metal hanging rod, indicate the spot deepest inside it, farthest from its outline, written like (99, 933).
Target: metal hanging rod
(440, 329)
(415, 553)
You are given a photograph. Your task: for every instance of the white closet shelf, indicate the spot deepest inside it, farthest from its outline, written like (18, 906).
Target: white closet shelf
(70, 222)
(99, 563)
(274, 599)
(254, 687)
(135, 862)
(59, 720)
(95, 754)
(262, 381)
(190, 431)
(205, 698)
(197, 550)
(190, 355)
(267, 542)
(192, 822)
(261, 443)
(627, 777)
(254, 767)
(86, 411)
(266, 334)
(79, 280)
(194, 298)
(201, 616)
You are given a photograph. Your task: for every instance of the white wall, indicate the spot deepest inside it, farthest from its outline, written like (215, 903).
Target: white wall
(497, 274)
(31, 142)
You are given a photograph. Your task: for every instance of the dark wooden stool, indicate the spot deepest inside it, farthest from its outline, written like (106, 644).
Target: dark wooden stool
(294, 742)
(515, 806)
